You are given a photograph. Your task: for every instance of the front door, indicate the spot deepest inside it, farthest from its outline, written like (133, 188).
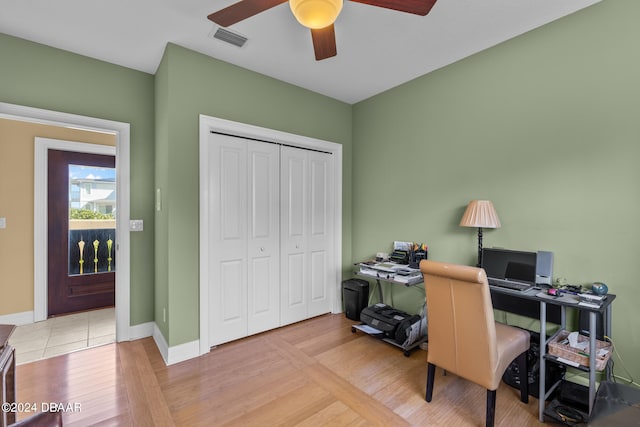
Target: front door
(81, 231)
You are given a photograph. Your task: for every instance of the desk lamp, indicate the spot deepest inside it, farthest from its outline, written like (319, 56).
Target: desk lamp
(480, 214)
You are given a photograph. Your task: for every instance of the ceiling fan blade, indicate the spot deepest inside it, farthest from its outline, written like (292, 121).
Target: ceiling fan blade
(418, 7)
(242, 10)
(324, 42)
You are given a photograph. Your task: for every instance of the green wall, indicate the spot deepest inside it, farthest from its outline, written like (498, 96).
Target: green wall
(547, 127)
(39, 76)
(189, 84)
(161, 300)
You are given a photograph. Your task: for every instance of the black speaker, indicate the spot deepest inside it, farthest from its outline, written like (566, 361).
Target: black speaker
(355, 296)
(583, 321)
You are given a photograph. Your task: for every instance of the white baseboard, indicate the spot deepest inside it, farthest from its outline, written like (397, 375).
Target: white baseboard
(161, 343)
(27, 317)
(142, 330)
(171, 355)
(178, 353)
(24, 318)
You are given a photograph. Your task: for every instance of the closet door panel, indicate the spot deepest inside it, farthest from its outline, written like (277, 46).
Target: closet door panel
(264, 237)
(320, 239)
(294, 232)
(261, 306)
(295, 291)
(231, 280)
(296, 209)
(318, 291)
(227, 176)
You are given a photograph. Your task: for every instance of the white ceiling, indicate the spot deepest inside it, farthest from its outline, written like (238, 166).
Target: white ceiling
(377, 48)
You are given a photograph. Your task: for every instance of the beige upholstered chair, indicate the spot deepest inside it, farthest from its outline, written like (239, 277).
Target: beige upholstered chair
(464, 339)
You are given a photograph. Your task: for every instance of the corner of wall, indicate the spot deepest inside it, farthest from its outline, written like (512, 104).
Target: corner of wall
(175, 354)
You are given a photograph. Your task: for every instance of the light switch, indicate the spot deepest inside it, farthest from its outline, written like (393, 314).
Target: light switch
(158, 200)
(136, 225)
(3, 222)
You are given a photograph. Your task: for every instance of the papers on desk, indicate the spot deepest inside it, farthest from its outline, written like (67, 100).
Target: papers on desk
(568, 362)
(415, 332)
(565, 298)
(584, 300)
(389, 270)
(380, 269)
(589, 304)
(591, 300)
(387, 267)
(411, 279)
(402, 246)
(378, 274)
(368, 329)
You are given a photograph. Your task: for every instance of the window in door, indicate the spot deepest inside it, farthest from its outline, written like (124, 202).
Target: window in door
(92, 220)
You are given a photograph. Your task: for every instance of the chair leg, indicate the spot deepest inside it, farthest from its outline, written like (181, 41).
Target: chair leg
(431, 373)
(491, 407)
(523, 369)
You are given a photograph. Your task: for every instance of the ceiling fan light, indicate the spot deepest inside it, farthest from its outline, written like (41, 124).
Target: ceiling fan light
(316, 13)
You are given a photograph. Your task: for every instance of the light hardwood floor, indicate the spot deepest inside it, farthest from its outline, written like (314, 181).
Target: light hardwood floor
(313, 373)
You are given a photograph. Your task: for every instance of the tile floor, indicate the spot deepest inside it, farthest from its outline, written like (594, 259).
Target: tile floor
(64, 334)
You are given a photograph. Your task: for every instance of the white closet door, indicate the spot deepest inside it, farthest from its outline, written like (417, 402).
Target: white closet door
(306, 239)
(227, 174)
(294, 231)
(263, 237)
(320, 239)
(244, 238)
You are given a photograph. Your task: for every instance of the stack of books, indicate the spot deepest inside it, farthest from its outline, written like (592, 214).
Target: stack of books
(591, 300)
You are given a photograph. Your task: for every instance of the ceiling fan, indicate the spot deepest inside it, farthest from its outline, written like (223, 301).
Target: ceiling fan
(317, 15)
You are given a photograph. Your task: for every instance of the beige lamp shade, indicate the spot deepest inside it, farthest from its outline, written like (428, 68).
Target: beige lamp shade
(480, 214)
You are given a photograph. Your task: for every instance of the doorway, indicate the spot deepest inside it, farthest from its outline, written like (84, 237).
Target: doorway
(39, 121)
(82, 231)
(42, 145)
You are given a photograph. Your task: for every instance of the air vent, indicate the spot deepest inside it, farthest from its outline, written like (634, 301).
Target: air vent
(229, 37)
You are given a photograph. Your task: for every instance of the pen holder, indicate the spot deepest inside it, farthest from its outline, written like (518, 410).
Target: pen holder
(415, 257)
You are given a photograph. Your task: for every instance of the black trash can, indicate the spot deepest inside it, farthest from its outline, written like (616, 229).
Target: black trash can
(355, 296)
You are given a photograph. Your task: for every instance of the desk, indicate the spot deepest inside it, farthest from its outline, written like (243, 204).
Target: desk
(7, 374)
(553, 303)
(388, 279)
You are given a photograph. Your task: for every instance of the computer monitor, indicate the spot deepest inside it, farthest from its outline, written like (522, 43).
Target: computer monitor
(519, 266)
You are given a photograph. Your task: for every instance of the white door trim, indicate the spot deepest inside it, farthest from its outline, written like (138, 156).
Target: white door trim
(122, 133)
(208, 124)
